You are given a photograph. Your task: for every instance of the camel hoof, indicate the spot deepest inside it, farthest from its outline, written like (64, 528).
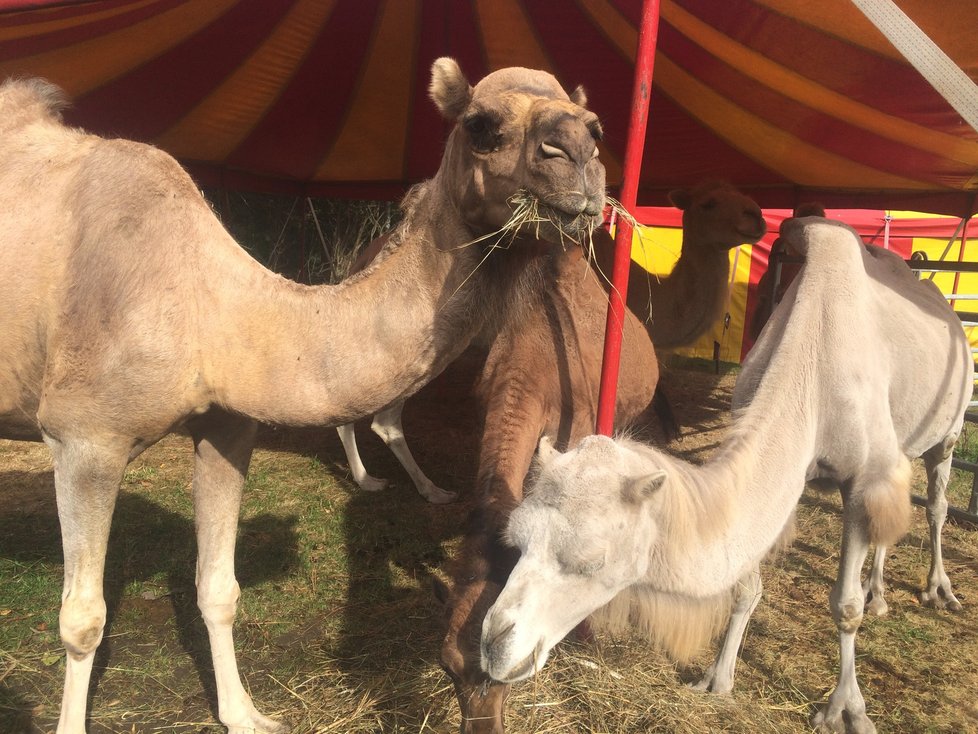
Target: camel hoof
(877, 606)
(372, 484)
(842, 722)
(940, 598)
(710, 684)
(259, 724)
(437, 495)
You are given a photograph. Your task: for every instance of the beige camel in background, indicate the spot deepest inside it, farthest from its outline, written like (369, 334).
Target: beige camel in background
(128, 311)
(824, 397)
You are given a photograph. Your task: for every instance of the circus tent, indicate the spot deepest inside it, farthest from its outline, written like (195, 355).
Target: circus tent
(789, 99)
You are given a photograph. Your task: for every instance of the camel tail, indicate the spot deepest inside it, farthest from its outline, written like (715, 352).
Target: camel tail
(887, 505)
(679, 626)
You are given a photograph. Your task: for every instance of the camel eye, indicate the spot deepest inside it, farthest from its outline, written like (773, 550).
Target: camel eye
(710, 203)
(483, 132)
(597, 132)
(582, 565)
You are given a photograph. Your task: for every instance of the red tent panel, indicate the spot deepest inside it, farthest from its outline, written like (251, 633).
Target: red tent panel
(789, 99)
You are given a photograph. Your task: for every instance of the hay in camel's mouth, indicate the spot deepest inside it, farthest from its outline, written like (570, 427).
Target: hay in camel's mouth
(532, 216)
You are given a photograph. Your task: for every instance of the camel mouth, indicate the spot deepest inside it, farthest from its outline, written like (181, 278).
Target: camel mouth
(520, 671)
(753, 235)
(551, 221)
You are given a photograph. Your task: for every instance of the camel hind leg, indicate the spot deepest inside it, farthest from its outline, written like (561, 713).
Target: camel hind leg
(845, 711)
(387, 425)
(223, 445)
(361, 476)
(937, 461)
(86, 477)
(875, 588)
(876, 509)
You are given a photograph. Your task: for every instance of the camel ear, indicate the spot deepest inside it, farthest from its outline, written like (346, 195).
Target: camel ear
(792, 236)
(579, 96)
(680, 198)
(449, 88)
(645, 487)
(810, 209)
(546, 450)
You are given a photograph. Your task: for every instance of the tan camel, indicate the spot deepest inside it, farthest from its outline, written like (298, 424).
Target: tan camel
(823, 397)
(541, 379)
(128, 311)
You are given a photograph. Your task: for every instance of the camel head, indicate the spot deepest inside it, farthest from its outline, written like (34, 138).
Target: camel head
(476, 582)
(717, 217)
(584, 533)
(523, 154)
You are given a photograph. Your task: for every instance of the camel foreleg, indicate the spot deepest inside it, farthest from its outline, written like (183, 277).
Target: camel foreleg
(719, 677)
(86, 478)
(845, 712)
(223, 446)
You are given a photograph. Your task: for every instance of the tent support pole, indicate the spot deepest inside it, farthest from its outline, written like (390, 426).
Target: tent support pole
(632, 165)
(957, 274)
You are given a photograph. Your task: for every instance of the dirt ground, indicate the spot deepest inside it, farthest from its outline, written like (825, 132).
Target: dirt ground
(360, 660)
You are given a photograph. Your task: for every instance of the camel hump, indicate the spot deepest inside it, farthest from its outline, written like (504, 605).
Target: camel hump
(810, 236)
(23, 101)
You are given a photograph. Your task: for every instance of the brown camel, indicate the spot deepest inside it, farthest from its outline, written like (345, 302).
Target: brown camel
(716, 218)
(541, 379)
(766, 298)
(128, 311)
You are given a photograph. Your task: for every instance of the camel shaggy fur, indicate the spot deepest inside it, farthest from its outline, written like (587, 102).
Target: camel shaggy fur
(824, 398)
(128, 311)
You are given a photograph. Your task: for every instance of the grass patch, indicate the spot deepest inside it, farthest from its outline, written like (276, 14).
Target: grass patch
(337, 629)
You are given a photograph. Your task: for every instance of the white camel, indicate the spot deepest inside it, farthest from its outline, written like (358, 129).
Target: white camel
(861, 367)
(128, 311)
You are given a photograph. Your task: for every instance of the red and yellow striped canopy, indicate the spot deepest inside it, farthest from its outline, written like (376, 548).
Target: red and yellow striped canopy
(789, 99)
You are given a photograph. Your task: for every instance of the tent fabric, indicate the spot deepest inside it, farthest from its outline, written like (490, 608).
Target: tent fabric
(656, 246)
(788, 99)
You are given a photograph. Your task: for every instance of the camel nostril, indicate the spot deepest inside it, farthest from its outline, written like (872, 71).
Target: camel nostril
(553, 151)
(491, 642)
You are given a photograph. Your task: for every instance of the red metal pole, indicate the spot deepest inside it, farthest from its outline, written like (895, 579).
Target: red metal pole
(634, 146)
(957, 275)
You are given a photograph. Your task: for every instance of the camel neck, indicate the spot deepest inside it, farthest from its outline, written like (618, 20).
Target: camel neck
(301, 355)
(687, 302)
(724, 516)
